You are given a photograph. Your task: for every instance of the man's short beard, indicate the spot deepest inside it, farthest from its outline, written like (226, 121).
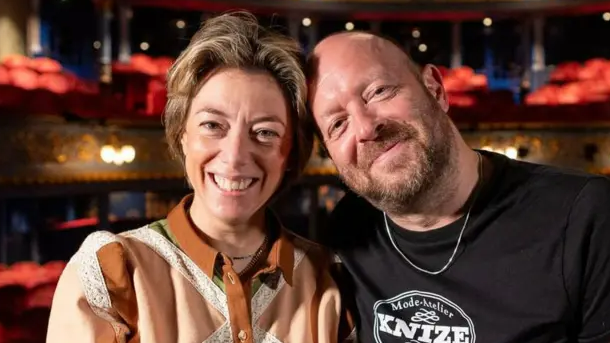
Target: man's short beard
(424, 178)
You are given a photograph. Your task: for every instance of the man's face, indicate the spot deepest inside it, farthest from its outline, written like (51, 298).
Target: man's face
(385, 129)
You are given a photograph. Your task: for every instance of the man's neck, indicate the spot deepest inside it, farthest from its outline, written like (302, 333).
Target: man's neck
(232, 239)
(445, 202)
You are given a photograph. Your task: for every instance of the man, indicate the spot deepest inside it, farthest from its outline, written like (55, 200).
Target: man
(444, 243)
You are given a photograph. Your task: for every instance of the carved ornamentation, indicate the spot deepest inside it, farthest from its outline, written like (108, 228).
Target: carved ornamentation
(66, 152)
(43, 153)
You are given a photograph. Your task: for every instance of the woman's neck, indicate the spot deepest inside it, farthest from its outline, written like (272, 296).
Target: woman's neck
(231, 239)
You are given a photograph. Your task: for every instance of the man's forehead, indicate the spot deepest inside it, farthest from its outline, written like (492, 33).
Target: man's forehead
(364, 50)
(361, 67)
(343, 40)
(343, 77)
(341, 50)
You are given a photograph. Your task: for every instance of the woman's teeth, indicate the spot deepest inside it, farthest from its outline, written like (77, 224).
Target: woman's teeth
(232, 184)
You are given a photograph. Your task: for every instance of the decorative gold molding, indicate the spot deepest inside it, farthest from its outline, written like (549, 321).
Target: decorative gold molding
(61, 153)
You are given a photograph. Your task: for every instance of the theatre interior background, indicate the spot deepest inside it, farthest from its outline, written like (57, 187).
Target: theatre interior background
(82, 92)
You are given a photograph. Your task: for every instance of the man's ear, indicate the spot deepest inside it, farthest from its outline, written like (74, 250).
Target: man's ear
(433, 81)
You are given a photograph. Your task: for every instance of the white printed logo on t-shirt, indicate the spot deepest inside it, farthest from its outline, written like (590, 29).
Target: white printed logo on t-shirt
(421, 317)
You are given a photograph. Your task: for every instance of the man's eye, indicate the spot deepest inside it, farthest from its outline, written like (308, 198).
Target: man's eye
(335, 126)
(381, 90)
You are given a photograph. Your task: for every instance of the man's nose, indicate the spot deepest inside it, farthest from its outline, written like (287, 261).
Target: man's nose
(367, 125)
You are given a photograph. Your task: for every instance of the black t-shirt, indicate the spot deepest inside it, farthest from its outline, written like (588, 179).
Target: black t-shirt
(533, 265)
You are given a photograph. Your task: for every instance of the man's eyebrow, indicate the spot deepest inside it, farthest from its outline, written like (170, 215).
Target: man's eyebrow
(379, 74)
(327, 115)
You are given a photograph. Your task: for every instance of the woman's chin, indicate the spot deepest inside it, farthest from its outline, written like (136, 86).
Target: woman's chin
(233, 214)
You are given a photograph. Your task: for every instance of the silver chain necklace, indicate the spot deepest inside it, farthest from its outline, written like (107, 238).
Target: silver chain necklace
(457, 245)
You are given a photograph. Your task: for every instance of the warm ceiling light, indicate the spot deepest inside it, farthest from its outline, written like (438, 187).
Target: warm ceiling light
(306, 22)
(144, 46)
(606, 16)
(487, 22)
(416, 33)
(180, 24)
(97, 45)
(349, 26)
(107, 153)
(128, 153)
(423, 47)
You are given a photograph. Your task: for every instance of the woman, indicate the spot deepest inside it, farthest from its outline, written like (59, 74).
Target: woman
(220, 268)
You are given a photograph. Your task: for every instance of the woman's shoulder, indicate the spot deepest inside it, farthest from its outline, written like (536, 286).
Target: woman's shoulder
(104, 244)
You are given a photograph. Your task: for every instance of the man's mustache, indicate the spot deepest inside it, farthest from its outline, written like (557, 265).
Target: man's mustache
(390, 134)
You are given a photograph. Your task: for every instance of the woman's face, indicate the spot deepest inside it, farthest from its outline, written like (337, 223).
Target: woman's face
(236, 143)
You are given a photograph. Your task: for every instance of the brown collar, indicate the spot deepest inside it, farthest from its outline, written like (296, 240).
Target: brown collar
(195, 246)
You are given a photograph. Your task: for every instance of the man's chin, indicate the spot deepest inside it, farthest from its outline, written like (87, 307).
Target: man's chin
(389, 178)
(385, 191)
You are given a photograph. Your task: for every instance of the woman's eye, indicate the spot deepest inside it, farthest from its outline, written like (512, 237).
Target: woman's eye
(265, 134)
(210, 125)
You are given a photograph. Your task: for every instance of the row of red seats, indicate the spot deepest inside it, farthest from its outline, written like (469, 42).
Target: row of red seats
(571, 83)
(42, 73)
(464, 87)
(575, 83)
(463, 79)
(30, 274)
(581, 92)
(141, 88)
(40, 101)
(593, 69)
(144, 64)
(26, 295)
(41, 86)
(31, 85)
(39, 64)
(142, 82)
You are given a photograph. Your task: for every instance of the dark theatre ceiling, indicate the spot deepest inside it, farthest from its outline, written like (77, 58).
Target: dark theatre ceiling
(392, 9)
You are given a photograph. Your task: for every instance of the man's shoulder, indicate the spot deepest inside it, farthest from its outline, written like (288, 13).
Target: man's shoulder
(547, 181)
(549, 192)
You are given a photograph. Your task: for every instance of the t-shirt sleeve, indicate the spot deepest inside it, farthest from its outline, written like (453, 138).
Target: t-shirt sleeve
(588, 250)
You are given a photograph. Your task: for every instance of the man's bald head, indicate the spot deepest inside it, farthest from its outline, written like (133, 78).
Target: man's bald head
(345, 45)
